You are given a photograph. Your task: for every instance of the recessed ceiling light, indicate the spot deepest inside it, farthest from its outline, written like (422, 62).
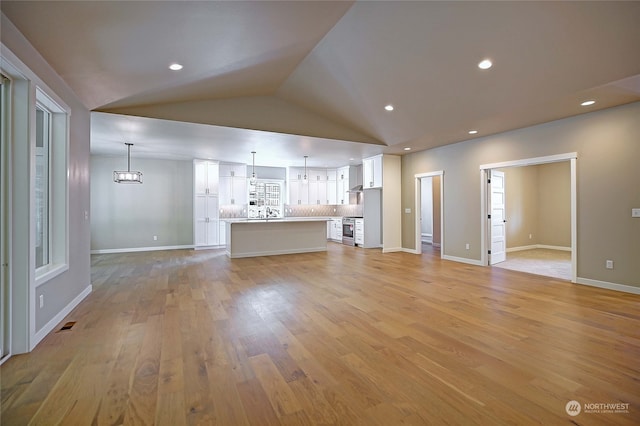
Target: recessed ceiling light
(485, 64)
(389, 107)
(407, 148)
(589, 102)
(473, 132)
(175, 67)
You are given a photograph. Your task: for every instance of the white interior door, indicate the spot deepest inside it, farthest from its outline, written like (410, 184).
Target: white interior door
(497, 220)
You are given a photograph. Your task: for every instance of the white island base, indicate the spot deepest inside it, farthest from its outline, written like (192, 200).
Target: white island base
(250, 238)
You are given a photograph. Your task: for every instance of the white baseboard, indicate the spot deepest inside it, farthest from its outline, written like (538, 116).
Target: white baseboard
(561, 248)
(134, 249)
(208, 247)
(392, 250)
(6, 357)
(522, 248)
(463, 260)
(37, 338)
(609, 286)
(411, 251)
(538, 246)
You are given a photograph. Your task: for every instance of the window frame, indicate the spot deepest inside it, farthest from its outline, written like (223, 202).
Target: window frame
(46, 150)
(58, 186)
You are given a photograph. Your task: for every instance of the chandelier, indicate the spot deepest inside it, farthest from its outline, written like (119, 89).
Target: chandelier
(128, 176)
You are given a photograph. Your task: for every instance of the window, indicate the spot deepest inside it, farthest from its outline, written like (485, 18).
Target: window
(50, 188)
(43, 143)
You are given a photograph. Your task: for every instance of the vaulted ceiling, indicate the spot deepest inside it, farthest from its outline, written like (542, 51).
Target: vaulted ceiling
(313, 77)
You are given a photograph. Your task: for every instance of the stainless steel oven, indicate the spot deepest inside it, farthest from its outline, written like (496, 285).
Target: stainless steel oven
(348, 228)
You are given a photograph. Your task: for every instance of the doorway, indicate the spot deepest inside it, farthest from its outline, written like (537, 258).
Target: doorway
(429, 207)
(537, 229)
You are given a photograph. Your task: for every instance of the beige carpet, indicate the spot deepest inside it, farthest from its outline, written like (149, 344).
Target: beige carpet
(550, 263)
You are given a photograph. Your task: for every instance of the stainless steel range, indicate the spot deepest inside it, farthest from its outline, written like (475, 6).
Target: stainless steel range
(348, 229)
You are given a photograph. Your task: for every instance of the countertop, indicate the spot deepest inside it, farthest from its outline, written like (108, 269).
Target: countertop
(280, 220)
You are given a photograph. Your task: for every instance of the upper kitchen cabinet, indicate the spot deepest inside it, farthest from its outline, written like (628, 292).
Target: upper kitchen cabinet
(332, 187)
(205, 177)
(372, 172)
(318, 188)
(298, 187)
(342, 185)
(233, 184)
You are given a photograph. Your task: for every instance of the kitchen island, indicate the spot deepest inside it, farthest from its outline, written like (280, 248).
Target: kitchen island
(268, 237)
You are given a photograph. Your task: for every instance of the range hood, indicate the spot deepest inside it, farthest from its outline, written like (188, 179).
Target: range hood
(356, 189)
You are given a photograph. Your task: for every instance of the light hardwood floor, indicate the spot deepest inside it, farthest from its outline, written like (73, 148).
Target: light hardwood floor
(349, 336)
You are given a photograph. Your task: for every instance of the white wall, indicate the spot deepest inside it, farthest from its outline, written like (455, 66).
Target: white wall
(65, 290)
(125, 216)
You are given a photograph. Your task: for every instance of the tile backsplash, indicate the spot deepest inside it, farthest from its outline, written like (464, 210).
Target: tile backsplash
(308, 210)
(312, 210)
(233, 211)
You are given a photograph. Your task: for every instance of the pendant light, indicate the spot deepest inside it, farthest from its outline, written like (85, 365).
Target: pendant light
(128, 176)
(253, 179)
(305, 179)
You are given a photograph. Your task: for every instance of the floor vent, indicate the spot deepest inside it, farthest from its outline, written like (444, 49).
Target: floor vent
(67, 326)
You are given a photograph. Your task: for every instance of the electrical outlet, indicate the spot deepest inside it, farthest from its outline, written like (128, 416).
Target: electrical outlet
(635, 212)
(155, 238)
(467, 246)
(609, 264)
(530, 236)
(42, 300)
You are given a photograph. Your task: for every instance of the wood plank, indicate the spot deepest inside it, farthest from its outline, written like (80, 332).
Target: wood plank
(279, 393)
(346, 337)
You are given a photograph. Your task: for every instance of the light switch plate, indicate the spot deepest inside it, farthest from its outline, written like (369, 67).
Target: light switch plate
(407, 210)
(635, 212)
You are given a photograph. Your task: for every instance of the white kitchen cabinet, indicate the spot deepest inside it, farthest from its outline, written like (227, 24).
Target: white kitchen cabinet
(205, 203)
(332, 187)
(342, 185)
(298, 189)
(298, 192)
(205, 177)
(334, 229)
(372, 172)
(358, 234)
(318, 192)
(332, 192)
(319, 188)
(319, 175)
(296, 173)
(233, 184)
